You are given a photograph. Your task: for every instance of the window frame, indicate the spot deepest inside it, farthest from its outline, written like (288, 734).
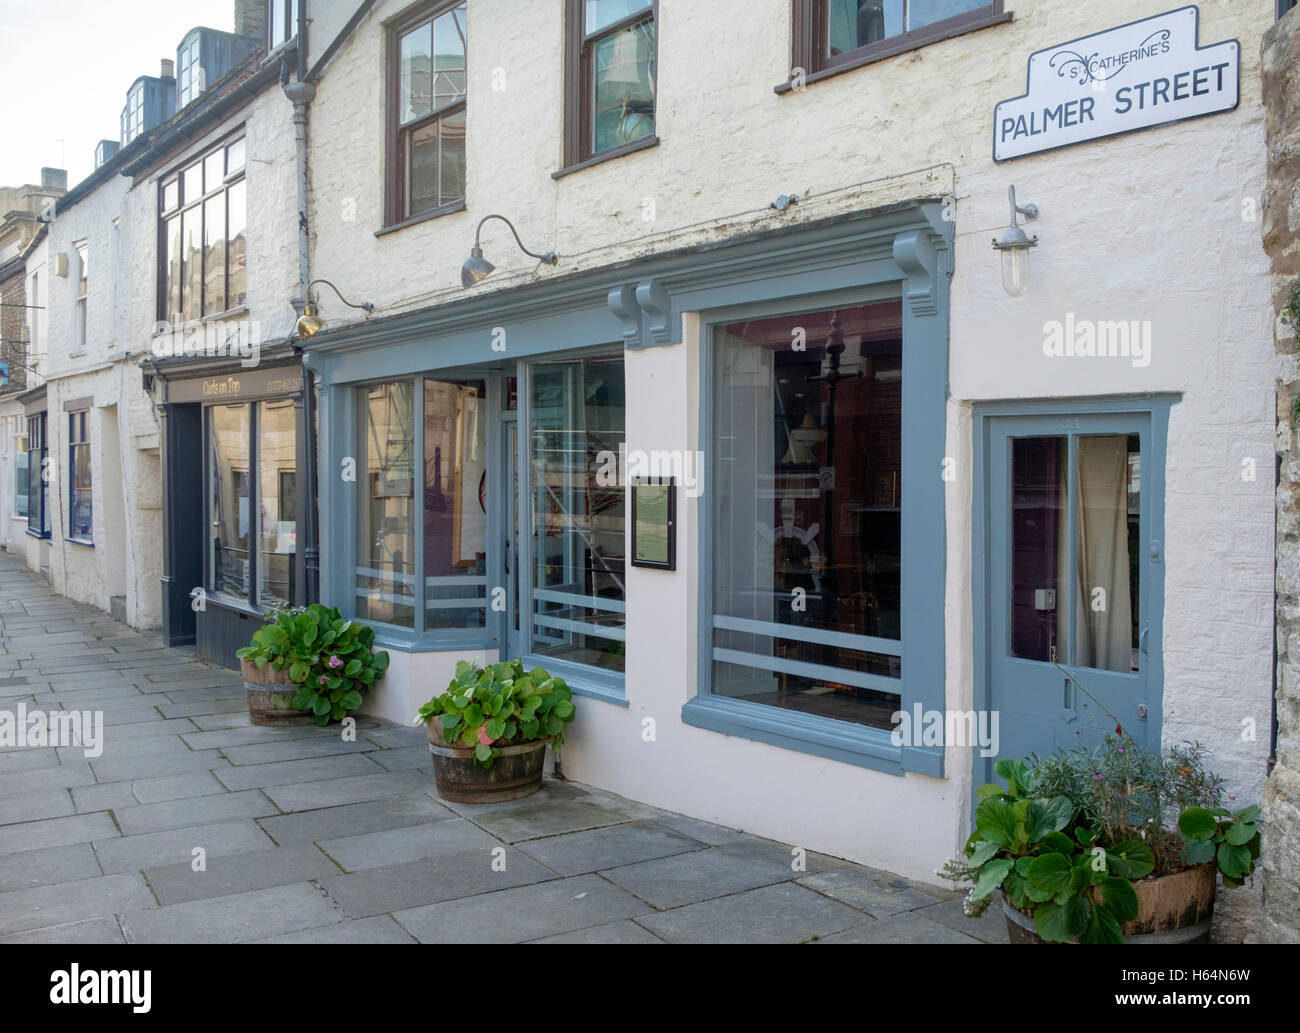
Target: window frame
(21, 454)
(808, 25)
(80, 327)
(80, 418)
(133, 113)
(397, 157)
(289, 8)
(579, 116)
(37, 431)
(189, 69)
(230, 179)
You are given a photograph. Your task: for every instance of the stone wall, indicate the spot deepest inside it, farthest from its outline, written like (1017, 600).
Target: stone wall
(1280, 81)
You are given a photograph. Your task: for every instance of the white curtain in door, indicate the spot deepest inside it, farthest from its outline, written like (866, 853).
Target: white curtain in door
(1104, 619)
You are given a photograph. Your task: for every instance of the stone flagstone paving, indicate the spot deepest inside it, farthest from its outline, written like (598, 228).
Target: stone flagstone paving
(311, 839)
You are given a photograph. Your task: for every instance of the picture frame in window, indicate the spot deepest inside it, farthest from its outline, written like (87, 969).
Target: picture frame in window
(654, 522)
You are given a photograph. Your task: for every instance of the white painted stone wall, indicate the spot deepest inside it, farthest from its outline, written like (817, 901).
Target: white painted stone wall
(1147, 227)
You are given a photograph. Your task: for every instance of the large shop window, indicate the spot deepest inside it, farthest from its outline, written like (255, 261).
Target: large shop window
(38, 487)
(253, 516)
(80, 516)
(386, 522)
(577, 432)
(426, 105)
(807, 496)
(202, 241)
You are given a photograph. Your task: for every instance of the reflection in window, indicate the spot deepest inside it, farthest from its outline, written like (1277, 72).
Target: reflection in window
(38, 474)
(624, 84)
(807, 500)
(79, 482)
(455, 504)
(852, 24)
(276, 463)
(386, 521)
(578, 506)
(1039, 544)
(231, 490)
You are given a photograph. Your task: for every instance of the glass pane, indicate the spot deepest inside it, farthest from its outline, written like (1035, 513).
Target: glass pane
(230, 490)
(855, 23)
(214, 170)
(416, 65)
(277, 465)
(20, 478)
(578, 507)
(422, 184)
(606, 12)
(451, 158)
(79, 525)
(214, 255)
(1107, 508)
(237, 289)
(927, 12)
(235, 156)
(192, 183)
(192, 257)
(449, 57)
(807, 505)
(173, 271)
(386, 523)
(278, 35)
(83, 269)
(455, 504)
(171, 195)
(624, 84)
(1039, 547)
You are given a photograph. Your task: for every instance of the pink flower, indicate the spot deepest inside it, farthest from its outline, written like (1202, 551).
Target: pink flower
(483, 737)
(322, 680)
(335, 662)
(1096, 776)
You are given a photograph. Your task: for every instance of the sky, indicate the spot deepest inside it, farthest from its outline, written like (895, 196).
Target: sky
(66, 69)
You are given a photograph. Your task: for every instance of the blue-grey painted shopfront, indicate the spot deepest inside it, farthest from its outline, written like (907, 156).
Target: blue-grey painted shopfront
(902, 252)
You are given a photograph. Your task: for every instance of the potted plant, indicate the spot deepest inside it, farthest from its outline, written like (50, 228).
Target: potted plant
(308, 663)
(489, 731)
(1080, 847)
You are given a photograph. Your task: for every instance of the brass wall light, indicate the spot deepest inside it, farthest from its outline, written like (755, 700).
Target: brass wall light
(308, 323)
(1015, 245)
(476, 267)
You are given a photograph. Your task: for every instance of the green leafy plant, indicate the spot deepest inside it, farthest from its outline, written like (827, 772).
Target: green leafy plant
(500, 705)
(330, 658)
(1216, 834)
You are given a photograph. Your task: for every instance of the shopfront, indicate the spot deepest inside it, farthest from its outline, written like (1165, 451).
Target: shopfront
(234, 441)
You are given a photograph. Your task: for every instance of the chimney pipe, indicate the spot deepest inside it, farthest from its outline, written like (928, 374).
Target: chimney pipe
(168, 69)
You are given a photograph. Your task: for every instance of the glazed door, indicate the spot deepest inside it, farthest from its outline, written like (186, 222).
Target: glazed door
(1071, 620)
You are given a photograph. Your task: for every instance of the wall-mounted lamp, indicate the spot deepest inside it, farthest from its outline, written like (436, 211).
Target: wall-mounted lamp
(308, 323)
(1015, 245)
(476, 267)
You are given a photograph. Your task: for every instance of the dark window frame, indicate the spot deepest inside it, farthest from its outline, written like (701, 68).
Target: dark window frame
(184, 205)
(579, 148)
(79, 423)
(396, 151)
(809, 26)
(38, 499)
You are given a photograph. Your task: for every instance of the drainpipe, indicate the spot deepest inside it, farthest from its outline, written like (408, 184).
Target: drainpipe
(300, 94)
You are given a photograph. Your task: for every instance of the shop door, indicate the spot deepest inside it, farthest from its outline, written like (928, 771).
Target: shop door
(1072, 582)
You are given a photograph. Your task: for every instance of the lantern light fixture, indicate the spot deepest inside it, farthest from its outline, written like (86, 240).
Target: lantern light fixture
(1015, 245)
(309, 322)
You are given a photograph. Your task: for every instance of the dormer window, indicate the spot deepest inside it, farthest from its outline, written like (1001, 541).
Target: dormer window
(189, 73)
(133, 114)
(281, 22)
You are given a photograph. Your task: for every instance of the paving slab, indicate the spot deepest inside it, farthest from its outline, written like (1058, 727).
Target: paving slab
(592, 850)
(106, 797)
(904, 927)
(92, 930)
(78, 774)
(398, 887)
(392, 846)
(704, 831)
(176, 787)
(67, 902)
(43, 803)
(256, 776)
(524, 913)
(199, 709)
(247, 735)
(875, 892)
(354, 819)
(152, 727)
(405, 758)
(990, 927)
(132, 853)
(553, 811)
(116, 769)
(233, 918)
(626, 931)
(202, 810)
(239, 873)
(65, 863)
(53, 832)
(380, 929)
(783, 913)
(331, 792)
(295, 749)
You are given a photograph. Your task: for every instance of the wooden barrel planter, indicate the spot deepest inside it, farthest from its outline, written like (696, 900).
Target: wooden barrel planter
(270, 696)
(1174, 908)
(516, 772)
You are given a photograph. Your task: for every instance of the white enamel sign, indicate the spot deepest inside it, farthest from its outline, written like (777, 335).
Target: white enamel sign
(1144, 74)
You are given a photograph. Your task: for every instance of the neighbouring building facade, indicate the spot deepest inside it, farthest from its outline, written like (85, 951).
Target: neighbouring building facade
(765, 369)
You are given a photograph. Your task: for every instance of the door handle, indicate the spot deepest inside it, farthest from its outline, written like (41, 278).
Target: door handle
(506, 555)
(1142, 641)
(1069, 703)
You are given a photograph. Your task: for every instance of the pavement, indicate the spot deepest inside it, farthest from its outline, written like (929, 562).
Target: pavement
(195, 826)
